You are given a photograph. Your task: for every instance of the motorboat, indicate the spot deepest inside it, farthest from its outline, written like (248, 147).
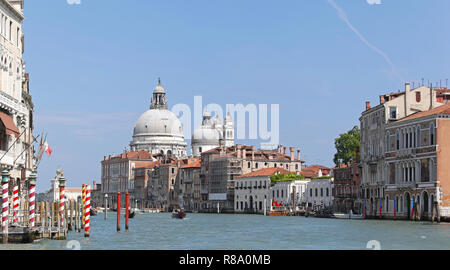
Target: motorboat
(178, 213)
(350, 215)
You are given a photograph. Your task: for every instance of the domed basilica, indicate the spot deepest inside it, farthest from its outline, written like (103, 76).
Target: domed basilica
(159, 131)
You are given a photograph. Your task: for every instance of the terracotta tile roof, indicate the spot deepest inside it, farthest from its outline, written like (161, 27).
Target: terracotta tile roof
(265, 172)
(194, 164)
(146, 164)
(444, 109)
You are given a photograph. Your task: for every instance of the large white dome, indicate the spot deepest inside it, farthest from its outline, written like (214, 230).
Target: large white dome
(158, 122)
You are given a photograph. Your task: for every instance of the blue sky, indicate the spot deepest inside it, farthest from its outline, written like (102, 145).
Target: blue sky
(93, 66)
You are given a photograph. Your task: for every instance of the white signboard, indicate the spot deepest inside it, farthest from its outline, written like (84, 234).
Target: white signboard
(217, 196)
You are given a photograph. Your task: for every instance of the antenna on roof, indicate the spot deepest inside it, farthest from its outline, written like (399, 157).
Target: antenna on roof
(422, 81)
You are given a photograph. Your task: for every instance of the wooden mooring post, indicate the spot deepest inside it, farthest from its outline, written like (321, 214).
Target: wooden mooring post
(118, 211)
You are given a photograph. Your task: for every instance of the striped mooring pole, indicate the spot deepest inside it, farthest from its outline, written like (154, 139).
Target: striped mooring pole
(83, 205)
(15, 202)
(5, 205)
(31, 199)
(62, 184)
(88, 211)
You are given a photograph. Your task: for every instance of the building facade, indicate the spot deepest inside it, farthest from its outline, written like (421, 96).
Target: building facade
(417, 166)
(16, 106)
(252, 190)
(347, 188)
(373, 122)
(221, 165)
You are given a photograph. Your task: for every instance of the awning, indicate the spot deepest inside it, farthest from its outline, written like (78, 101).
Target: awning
(10, 127)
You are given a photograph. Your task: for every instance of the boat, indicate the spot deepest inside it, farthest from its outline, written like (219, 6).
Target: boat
(323, 214)
(350, 215)
(178, 213)
(131, 213)
(93, 211)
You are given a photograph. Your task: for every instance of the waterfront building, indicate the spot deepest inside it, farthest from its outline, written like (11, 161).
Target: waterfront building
(252, 190)
(158, 130)
(16, 106)
(347, 187)
(163, 187)
(291, 194)
(221, 165)
(118, 173)
(189, 180)
(392, 107)
(142, 171)
(417, 150)
(210, 133)
(319, 193)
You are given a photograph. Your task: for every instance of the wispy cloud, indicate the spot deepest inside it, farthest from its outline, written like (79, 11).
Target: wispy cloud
(344, 17)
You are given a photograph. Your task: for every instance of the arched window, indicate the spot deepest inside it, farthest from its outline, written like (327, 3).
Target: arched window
(432, 134)
(398, 140)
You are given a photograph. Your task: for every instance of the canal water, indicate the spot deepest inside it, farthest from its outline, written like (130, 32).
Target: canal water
(159, 231)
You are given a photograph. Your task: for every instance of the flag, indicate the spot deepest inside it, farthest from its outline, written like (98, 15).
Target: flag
(47, 149)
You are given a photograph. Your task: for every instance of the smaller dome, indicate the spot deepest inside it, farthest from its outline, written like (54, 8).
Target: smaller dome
(206, 136)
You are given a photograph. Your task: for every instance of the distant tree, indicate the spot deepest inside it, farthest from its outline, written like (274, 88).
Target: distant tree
(345, 145)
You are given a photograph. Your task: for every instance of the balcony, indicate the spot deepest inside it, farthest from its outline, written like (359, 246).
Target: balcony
(8, 159)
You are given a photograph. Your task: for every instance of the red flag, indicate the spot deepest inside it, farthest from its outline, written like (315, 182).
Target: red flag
(48, 150)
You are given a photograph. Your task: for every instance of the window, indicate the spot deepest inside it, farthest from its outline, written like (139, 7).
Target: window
(199, 149)
(316, 192)
(425, 170)
(392, 112)
(248, 165)
(328, 193)
(310, 192)
(173, 170)
(417, 96)
(321, 192)
(398, 140)
(256, 165)
(432, 134)
(282, 193)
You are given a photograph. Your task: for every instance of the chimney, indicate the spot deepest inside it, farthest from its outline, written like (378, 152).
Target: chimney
(367, 105)
(284, 150)
(244, 153)
(298, 154)
(281, 148)
(253, 152)
(291, 151)
(431, 96)
(407, 90)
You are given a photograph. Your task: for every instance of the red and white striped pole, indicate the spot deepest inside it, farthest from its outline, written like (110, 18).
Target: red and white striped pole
(87, 211)
(15, 202)
(62, 184)
(5, 205)
(32, 202)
